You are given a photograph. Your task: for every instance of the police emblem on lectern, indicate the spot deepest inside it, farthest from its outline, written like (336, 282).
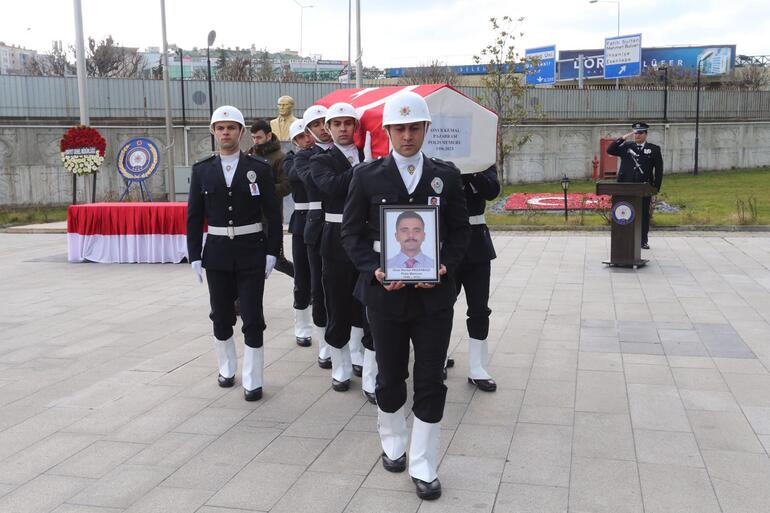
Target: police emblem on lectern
(623, 213)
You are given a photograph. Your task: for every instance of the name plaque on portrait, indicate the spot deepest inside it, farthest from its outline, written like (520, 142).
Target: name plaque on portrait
(410, 243)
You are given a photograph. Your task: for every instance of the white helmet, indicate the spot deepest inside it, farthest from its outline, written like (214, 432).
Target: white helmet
(297, 127)
(405, 107)
(341, 110)
(227, 113)
(312, 113)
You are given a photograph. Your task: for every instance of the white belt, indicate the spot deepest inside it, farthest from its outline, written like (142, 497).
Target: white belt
(333, 218)
(479, 219)
(376, 246)
(313, 205)
(234, 231)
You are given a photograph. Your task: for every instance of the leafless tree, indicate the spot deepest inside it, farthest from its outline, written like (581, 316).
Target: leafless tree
(55, 64)
(236, 69)
(265, 67)
(434, 73)
(752, 78)
(107, 59)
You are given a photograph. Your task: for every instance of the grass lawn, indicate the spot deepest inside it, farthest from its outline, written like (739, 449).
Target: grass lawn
(739, 197)
(31, 215)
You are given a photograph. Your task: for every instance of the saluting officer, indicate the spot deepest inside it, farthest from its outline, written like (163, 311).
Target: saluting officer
(313, 119)
(331, 172)
(640, 162)
(234, 193)
(303, 323)
(474, 272)
(397, 312)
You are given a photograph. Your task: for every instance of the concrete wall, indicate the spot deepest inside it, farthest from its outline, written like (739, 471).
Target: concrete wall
(31, 171)
(555, 150)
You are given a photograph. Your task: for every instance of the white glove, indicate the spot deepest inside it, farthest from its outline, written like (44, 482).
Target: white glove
(269, 264)
(197, 268)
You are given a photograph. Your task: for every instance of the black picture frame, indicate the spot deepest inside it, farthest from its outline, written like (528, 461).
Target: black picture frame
(393, 258)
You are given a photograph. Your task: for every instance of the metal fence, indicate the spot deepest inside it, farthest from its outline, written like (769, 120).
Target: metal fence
(31, 98)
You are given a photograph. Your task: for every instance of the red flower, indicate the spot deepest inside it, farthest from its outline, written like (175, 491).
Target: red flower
(83, 137)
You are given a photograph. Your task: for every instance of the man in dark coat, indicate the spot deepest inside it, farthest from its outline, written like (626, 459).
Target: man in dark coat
(640, 162)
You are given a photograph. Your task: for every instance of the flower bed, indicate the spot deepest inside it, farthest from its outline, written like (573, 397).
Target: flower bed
(555, 201)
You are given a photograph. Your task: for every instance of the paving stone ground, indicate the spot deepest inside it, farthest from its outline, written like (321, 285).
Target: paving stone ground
(619, 391)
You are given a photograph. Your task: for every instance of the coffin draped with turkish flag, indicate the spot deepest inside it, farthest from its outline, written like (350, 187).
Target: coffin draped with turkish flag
(462, 131)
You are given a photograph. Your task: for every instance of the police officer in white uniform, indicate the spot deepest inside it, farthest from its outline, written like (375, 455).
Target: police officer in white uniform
(400, 313)
(235, 194)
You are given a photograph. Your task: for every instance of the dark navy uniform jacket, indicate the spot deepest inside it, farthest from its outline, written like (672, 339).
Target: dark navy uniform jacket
(379, 183)
(479, 188)
(331, 172)
(314, 221)
(649, 158)
(213, 202)
(298, 194)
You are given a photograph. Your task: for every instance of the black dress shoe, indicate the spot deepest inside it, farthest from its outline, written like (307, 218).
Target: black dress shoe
(252, 395)
(427, 491)
(340, 386)
(225, 382)
(370, 397)
(485, 385)
(304, 341)
(397, 465)
(450, 362)
(358, 370)
(284, 266)
(325, 363)
(645, 245)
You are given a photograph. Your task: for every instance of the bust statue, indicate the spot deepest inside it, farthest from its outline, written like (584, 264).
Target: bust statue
(280, 125)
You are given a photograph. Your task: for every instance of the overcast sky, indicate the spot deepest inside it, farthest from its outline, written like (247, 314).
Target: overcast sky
(394, 32)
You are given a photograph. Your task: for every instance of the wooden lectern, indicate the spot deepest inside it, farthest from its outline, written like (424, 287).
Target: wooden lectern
(626, 217)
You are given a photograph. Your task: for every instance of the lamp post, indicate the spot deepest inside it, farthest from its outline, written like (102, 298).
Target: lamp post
(211, 39)
(301, 13)
(565, 187)
(181, 81)
(617, 4)
(664, 69)
(697, 108)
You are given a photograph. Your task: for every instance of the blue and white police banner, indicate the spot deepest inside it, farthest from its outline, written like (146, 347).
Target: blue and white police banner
(623, 213)
(623, 56)
(544, 72)
(138, 160)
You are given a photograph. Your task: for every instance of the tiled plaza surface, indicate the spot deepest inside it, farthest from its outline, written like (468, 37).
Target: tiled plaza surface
(619, 391)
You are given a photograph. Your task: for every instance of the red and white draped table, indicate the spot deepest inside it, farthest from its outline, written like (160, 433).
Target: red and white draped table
(127, 232)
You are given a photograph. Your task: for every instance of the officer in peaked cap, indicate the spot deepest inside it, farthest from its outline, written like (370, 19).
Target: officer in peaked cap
(234, 193)
(640, 161)
(399, 313)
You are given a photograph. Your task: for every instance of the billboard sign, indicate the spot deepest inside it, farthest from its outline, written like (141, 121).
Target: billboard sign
(623, 56)
(544, 73)
(722, 61)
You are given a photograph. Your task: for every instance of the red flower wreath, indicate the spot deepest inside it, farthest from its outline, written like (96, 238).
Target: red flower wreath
(83, 137)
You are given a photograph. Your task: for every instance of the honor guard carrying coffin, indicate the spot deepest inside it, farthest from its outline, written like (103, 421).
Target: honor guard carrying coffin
(331, 171)
(234, 193)
(473, 275)
(640, 162)
(398, 312)
(313, 120)
(303, 322)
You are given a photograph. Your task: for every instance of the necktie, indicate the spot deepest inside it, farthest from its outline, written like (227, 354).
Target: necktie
(410, 263)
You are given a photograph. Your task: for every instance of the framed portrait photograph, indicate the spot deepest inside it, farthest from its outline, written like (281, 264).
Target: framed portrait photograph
(409, 246)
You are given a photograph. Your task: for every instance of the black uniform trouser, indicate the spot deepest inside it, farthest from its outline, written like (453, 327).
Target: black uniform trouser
(302, 288)
(430, 337)
(343, 310)
(645, 218)
(316, 285)
(474, 277)
(224, 287)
